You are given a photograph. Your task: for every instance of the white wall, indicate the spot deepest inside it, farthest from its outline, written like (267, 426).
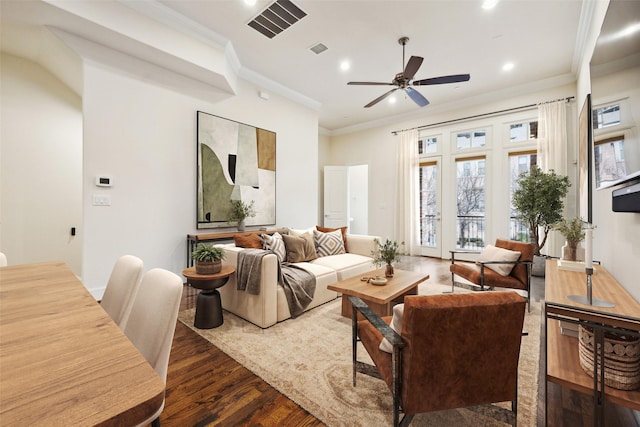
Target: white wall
(145, 137)
(617, 236)
(41, 166)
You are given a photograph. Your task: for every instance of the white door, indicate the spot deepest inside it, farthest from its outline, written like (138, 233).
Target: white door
(336, 196)
(431, 206)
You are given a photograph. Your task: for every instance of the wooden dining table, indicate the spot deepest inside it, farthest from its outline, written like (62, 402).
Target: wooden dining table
(63, 361)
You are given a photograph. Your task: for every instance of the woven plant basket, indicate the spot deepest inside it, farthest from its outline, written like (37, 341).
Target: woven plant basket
(208, 267)
(621, 358)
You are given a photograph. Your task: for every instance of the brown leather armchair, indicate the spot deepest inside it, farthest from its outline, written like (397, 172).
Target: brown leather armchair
(478, 273)
(454, 351)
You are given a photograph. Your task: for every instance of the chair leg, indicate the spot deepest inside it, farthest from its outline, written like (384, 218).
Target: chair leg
(452, 285)
(156, 422)
(354, 341)
(406, 420)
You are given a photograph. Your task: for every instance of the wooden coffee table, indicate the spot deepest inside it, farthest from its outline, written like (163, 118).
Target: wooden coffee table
(380, 299)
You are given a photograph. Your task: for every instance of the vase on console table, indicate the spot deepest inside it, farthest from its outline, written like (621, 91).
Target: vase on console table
(573, 251)
(241, 225)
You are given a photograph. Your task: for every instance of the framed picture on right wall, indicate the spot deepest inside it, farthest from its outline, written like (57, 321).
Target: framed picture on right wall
(585, 160)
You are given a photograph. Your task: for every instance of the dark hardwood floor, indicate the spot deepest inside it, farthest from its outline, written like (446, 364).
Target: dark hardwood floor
(205, 387)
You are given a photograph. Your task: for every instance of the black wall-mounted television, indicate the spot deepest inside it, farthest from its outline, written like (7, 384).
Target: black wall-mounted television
(627, 198)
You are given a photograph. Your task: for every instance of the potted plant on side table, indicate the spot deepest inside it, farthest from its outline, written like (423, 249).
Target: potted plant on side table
(539, 201)
(573, 234)
(386, 253)
(240, 211)
(208, 258)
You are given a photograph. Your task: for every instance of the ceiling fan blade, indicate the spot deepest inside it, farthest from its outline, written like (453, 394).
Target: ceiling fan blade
(380, 98)
(412, 67)
(442, 80)
(370, 83)
(417, 97)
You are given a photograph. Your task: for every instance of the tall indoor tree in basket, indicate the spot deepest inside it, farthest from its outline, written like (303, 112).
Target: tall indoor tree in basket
(539, 201)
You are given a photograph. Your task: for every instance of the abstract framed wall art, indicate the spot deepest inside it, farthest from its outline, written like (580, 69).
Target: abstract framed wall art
(236, 161)
(585, 160)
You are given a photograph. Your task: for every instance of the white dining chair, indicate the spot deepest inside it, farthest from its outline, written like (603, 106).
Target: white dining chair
(121, 288)
(152, 322)
(3, 260)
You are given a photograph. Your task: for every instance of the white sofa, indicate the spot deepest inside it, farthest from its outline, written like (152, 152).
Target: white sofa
(270, 305)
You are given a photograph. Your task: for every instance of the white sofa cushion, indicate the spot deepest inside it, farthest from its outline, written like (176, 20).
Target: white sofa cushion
(346, 265)
(325, 276)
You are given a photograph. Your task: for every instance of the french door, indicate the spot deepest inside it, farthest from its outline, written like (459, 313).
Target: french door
(430, 206)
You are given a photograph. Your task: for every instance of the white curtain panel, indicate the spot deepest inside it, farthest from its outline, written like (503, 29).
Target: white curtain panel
(552, 151)
(552, 136)
(406, 211)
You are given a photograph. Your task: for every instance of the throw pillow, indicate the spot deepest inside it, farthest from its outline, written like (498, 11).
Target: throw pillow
(275, 244)
(342, 229)
(299, 248)
(252, 241)
(328, 243)
(492, 253)
(396, 325)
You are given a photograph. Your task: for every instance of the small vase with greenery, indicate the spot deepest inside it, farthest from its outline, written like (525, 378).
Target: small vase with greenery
(386, 253)
(208, 258)
(573, 233)
(240, 211)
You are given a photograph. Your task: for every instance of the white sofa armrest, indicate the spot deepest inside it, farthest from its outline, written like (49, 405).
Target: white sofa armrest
(361, 244)
(261, 309)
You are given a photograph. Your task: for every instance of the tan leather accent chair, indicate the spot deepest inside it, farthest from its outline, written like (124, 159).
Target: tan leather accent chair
(479, 274)
(454, 351)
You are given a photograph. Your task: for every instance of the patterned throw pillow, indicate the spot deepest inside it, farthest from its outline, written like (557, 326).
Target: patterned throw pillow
(342, 229)
(328, 243)
(275, 244)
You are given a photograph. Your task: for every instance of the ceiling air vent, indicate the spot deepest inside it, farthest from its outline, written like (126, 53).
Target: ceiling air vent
(276, 18)
(318, 48)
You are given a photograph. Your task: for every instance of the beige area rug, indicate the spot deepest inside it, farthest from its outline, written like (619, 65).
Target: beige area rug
(308, 359)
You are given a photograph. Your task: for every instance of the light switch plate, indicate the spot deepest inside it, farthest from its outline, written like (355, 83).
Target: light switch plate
(101, 200)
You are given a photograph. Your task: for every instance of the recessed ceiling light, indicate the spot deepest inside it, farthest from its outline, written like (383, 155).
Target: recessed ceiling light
(392, 100)
(508, 66)
(489, 4)
(250, 2)
(345, 65)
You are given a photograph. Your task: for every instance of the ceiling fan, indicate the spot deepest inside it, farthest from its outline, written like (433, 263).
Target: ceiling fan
(404, 80)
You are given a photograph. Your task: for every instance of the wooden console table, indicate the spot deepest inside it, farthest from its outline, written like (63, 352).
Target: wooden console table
(562, 360)
(194, 239)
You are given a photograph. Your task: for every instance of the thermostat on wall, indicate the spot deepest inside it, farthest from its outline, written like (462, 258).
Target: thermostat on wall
(104, 181)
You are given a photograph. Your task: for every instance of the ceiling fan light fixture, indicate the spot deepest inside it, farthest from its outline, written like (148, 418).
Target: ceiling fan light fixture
(404, 80)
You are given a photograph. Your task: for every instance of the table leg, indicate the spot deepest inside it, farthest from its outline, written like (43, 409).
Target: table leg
(208, 310)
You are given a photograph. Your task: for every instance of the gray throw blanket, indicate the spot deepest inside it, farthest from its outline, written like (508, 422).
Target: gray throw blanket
(299, 287)
(248, 273)
(298, 284)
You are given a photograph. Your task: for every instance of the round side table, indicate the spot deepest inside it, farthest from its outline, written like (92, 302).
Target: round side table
(208, 304)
